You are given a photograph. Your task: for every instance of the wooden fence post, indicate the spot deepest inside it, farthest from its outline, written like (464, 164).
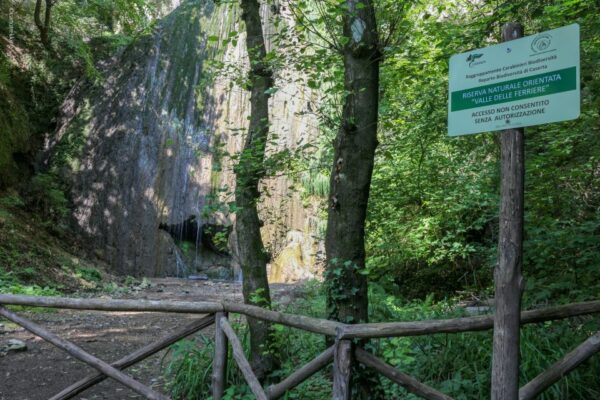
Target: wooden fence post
(342, 366)
(507, 275)
(220, 360)
(238, 354)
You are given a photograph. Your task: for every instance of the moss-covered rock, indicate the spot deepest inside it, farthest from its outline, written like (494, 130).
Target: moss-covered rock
(147, 145)
(14, 138)
(33, 260)
(133, 147)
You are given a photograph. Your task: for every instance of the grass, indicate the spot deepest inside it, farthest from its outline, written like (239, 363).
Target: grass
(33, 260)
(190, 365)
(189, 369)
(10, 283)
(457, 364)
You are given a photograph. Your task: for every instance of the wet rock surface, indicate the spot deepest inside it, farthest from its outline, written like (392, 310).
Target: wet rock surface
(135, 148)
(139, 149)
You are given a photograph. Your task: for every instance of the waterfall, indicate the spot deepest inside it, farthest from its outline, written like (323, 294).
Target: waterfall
(137, 148)
(181, 268)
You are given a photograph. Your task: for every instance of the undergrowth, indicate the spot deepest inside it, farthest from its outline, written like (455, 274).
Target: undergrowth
(457, 364)
(190, 366)
(10, 283)
(35, 258)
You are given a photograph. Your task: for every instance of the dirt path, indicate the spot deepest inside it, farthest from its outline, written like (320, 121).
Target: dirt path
(43, 370)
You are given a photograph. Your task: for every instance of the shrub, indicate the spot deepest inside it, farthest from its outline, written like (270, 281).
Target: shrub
(189, 371)
(89, 274)
(459, 364)
(46, 195)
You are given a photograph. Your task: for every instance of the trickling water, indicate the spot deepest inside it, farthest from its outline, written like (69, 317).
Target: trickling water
(182, 269)
(136, 144)
(198, 240)
(141, 148)
(237, 275)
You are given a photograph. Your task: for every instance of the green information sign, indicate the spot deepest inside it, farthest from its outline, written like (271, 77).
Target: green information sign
(524, 82)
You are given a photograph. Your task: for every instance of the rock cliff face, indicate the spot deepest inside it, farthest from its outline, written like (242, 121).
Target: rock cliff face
(143, 150)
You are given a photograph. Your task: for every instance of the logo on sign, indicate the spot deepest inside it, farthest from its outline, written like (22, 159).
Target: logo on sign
(472, 59)
(541, 43)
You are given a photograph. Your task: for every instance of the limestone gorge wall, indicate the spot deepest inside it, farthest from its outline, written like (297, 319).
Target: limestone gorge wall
(145, 153)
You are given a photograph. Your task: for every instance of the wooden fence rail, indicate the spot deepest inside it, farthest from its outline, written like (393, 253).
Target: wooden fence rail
(342, 353)
(315, 325)
(409, 383)
(561, 368)
(135, 357)
(82, 355)
(467, 324)
(302, 374)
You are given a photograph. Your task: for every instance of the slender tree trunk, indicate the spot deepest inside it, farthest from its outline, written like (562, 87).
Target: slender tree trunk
(350, 179)
(507, 276)
(249, 171)
(43, 27)
(352, 168)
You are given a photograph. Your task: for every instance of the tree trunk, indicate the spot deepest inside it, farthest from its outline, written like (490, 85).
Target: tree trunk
(249, 171)
(352, 168)
(507, 275)
(350, 181)
(43, 27)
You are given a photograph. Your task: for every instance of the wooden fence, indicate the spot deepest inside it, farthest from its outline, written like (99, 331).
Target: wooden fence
(343, 353)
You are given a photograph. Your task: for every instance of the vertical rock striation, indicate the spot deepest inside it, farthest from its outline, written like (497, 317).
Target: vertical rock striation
(139, 148)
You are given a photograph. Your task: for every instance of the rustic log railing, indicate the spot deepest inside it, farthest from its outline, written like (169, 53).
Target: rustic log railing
(343, 353)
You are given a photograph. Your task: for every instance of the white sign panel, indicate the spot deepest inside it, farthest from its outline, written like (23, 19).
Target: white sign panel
(529, 81)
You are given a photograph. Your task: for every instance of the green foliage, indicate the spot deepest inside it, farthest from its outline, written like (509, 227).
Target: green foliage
(130, 281)
(113, 288)
(433, 211)
(14, 125)
(297, 347)
(33, 260)
(34, 80)
(459, 364)
(4, 71)
(190, 367)
(89, 274)
(12, 283)
(220, 239)
(46, 195)
(315, 184)
(11, 201)
(336, 274)
(68, 150)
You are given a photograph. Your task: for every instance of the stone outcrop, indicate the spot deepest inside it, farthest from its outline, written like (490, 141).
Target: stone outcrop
(143, 149)
(291, 263)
